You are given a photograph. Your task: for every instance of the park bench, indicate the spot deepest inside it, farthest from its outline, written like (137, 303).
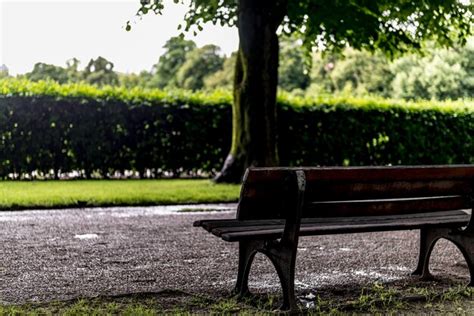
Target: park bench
(278, 205)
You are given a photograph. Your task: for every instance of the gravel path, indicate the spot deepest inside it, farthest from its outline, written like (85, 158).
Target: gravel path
(65, 254)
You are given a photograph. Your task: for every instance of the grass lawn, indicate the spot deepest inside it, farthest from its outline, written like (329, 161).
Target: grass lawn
(81, 193)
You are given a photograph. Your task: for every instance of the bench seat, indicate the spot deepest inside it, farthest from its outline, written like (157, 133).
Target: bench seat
(236, 230)
(279, 205)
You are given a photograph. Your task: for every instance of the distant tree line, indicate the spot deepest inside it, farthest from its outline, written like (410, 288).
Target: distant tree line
(436, 74)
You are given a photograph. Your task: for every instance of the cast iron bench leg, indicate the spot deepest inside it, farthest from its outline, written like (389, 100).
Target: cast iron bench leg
(465, 243)
(283, 258)
(247, 251)
(428, 238)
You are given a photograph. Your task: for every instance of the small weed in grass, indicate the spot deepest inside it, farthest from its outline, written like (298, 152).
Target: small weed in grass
(391, 299)
(457, 293)
(376, 297)
(200, 302)
(225, 306)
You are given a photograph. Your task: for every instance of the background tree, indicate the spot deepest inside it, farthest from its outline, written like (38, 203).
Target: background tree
(164, 72)
(200, 62)
(43, 71)
(223, 78)
(362, 72)
(292, 72)
(72, 70)
(131, 80)
(437, 73)
(100, 72)
(442, 74)
(4, 72)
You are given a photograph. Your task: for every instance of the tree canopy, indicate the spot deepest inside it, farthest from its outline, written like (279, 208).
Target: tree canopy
(391, 26)
(176, 49)
(199, 64)
(100, 72)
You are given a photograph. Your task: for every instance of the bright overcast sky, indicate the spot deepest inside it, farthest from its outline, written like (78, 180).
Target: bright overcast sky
(55, 31)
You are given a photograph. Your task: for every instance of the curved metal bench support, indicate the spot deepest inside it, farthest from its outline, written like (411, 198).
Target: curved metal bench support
(428, 239)
(463, 239)
(283, 257)
(247, 252)
(465, 242)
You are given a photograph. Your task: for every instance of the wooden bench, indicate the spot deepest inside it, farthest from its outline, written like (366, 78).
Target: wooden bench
(278, 205)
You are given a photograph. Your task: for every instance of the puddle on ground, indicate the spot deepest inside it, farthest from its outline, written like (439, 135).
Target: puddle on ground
(164, 210)
(396, 268)
(345, 249)
(119, 211)
(86, 236)
(371, 274)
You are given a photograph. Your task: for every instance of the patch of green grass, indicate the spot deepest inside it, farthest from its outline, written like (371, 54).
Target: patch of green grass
(375, 299)
(389, 300)
(227, 306)
(81, 193)
(93, 307)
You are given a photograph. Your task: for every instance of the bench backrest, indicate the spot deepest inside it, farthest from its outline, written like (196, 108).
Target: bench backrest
(357, 191)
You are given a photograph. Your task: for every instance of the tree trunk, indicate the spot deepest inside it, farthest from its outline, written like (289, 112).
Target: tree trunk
(254, 131)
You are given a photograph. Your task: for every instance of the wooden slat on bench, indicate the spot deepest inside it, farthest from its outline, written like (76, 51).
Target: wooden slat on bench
(385, 206)
(335, 225)
(372, 173)
(265, 190)
(319, 190)
(369, 222)
(236, 226)
(402, 173)
(211, 224)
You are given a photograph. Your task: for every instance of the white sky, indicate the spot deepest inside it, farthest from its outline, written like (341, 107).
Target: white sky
(55, 31)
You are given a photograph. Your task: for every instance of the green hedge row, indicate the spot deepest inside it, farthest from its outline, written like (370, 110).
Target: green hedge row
(51, 129)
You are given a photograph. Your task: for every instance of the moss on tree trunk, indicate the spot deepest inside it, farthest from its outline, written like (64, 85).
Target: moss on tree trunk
(254, 132)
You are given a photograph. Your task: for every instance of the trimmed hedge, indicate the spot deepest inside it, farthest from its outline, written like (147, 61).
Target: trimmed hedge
(51, 129)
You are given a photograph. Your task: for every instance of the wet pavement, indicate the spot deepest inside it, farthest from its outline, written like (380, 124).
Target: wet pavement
(65, 254)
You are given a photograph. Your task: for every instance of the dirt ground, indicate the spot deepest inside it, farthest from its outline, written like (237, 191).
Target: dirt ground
(60, 255)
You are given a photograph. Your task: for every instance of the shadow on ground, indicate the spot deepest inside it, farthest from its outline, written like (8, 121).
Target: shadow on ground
(412, 297)
(85, 259)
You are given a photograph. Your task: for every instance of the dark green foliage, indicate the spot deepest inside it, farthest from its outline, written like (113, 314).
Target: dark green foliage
(345, 134)
(106, 132)
(223, 78)
(292, 71)
(42, 71)
(200, 62)
(46, 127)
(176, 49)
(100, 72)
(442, 74)
(366, 72)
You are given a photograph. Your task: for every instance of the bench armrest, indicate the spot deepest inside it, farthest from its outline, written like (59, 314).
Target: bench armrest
(294, 205)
